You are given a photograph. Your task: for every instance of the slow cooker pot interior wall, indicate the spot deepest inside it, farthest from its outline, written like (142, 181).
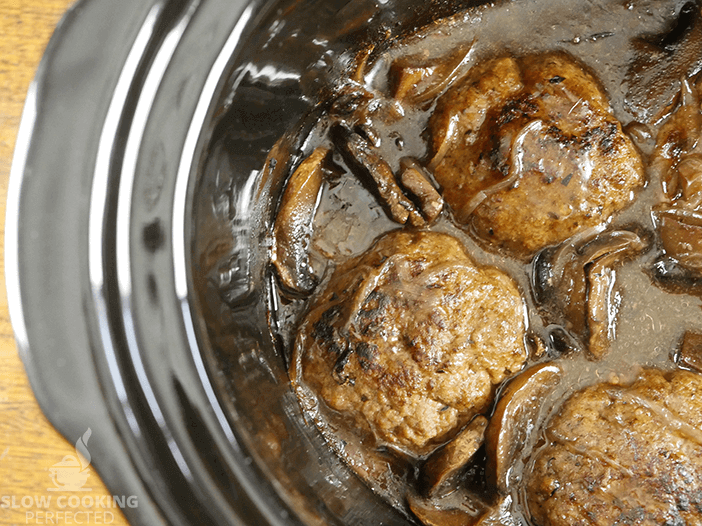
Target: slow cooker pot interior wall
(295, 52)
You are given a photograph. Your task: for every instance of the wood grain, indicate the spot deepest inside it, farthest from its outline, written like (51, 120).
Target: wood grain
(29, 445)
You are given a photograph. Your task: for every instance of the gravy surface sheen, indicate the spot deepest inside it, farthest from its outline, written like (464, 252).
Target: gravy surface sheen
(646, 322)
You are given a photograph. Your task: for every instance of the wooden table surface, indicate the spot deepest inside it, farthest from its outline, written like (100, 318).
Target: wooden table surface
(29, 445)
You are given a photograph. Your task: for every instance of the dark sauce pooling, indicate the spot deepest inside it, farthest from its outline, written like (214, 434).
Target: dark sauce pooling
(496, 225)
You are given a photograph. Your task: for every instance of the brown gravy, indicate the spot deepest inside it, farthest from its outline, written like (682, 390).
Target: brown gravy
(648, 317)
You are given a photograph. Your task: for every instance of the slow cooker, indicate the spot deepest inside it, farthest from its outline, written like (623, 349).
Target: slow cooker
(139, 207)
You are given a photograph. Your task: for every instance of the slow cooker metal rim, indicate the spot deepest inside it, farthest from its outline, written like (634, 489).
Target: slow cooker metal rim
(124, 445)
(32, 120)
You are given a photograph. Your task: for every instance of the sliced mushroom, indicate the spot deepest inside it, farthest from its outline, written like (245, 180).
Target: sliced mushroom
(432, 516)
(358, 107)
(574, 284)
(293, 225)
(362, 154)
(690, 171)
(464, 509)
(417, 182)
(601, 276)
(361, 62)
(420, 78)
(662, 61)
(642, 135)
(499, 515)
(676, 140)
(442, 467)
(514, 419)
(681, 236)
(690, 354)
(349, 103)
(671, 276)
(460, 509)
(560, 285)
(361, 116)
(677, 160)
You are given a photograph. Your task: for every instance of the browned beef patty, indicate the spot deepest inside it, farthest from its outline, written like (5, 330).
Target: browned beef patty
(528, 153)
(409, 340)
(623, 455)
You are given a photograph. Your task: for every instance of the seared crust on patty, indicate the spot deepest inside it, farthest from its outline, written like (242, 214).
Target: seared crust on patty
(623, 455)
(410, 339)
(528, 153)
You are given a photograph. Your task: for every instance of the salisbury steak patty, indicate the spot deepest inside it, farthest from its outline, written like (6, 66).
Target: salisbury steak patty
(623, 455)
(528, 153)
(410, 339)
